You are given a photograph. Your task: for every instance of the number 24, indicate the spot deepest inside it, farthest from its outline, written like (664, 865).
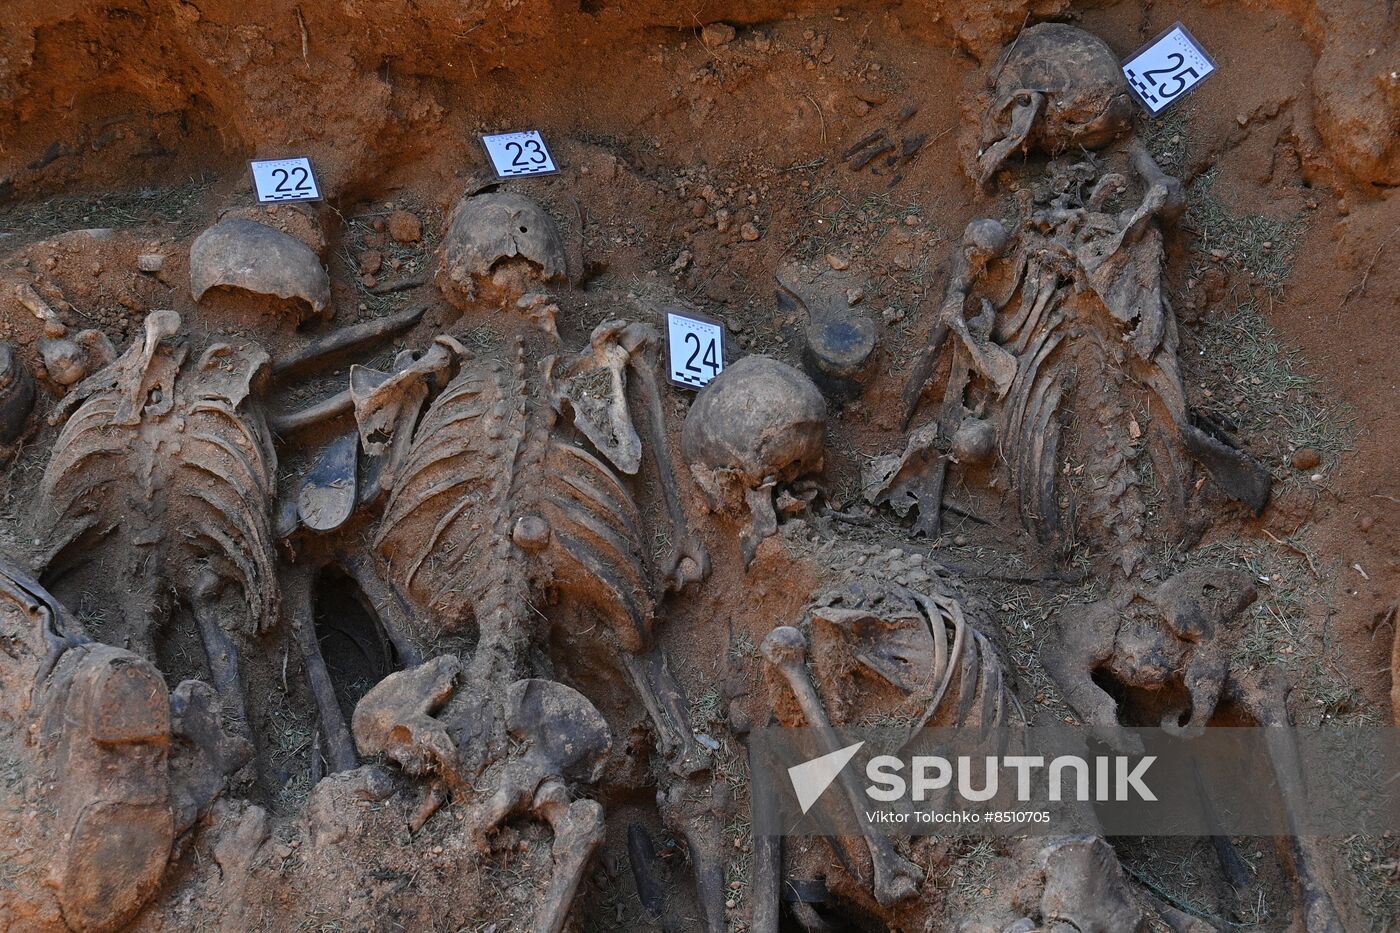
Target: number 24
(709, 359)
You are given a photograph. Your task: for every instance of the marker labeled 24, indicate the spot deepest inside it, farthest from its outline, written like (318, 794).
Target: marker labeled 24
(694, 350)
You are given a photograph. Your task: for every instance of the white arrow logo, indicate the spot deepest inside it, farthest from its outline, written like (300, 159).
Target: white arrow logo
(811, 778)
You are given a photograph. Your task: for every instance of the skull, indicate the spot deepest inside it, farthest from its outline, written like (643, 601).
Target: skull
(16, 397)
(499, 247)
(247, 256)
(1054, 88)
(759, 423)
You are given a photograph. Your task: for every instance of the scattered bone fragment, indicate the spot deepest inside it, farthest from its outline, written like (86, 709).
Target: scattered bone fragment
(52, 324)
(69, 360)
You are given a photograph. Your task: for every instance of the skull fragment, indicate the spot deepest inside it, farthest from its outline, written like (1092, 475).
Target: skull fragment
(1055, 88)
(499, 247)
(16, 397)
(247, 256)
(759, 423)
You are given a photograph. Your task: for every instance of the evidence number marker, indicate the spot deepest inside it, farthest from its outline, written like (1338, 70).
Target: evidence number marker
(285, 180)
(516, 154)
(694, 350)
(1166, 68)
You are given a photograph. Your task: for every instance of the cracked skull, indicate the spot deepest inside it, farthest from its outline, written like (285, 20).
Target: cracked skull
(499, 247)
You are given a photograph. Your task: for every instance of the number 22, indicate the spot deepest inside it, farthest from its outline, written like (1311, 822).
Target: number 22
(301, 184)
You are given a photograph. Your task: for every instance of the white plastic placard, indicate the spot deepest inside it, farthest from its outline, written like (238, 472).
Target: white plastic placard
(694, 349)
(285, 180)
(515, 154)
(1166, 68)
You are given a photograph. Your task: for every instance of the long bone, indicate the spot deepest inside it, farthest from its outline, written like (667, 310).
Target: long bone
(298, 604)
(220, 651)
(983, 241)
(1269, 706)
(786, 649)
(345, 340)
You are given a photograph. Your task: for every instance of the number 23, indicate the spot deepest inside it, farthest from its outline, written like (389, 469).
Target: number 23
(536, 152)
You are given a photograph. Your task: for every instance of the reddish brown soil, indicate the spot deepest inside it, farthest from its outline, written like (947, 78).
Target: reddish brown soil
(140, 115)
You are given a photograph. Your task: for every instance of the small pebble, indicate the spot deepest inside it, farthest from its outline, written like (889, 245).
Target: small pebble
(1306, 458)
(749, 232)
(150, 262)
(839, 263)
(1367, 523)
(717, 34)
(960, 540)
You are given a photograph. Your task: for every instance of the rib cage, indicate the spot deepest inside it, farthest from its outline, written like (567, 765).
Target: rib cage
(945, 664)
(968, 658)
(438, 526)
(596, 548)
(1056, 337)
(170, 466)
(483, 458)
